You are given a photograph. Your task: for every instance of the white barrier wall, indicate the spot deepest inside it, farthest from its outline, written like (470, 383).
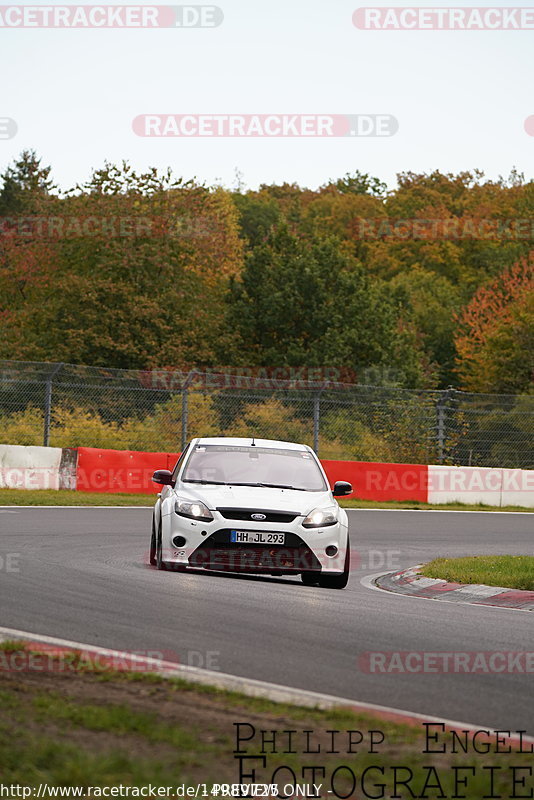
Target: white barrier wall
(489, 485)
(28, 467)
(464, 485)
(518, 487)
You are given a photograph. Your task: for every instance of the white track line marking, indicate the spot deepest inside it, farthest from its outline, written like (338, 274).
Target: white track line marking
(248, 686)
(441, 510)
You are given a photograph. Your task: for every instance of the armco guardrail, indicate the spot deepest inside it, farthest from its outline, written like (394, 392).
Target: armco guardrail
(89, 469)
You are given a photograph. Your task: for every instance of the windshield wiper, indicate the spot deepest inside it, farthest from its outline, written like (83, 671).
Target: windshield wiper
(197, 480)
(272, 486)
(233, 483)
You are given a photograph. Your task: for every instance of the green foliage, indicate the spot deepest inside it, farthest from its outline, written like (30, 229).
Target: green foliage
(163, 428)
(431, 301)
(341, 433)
(389, 434)
(78, 427)
(506, 434)
(22, 427)
(359, 183)
(24, 184)
(257, 216)
(266, 419)
(308, 302)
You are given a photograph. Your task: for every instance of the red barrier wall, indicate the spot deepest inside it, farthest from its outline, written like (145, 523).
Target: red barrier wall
(120, 470)
(374, 481)
(131, 472)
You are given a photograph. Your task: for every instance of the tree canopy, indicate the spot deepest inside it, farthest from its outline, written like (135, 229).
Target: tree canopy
(427, 285)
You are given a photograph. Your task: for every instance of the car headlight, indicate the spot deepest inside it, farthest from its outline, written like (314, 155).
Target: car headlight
(320, 517)
(194, 509)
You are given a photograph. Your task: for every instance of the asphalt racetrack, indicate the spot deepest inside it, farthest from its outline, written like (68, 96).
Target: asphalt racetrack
(82, 575)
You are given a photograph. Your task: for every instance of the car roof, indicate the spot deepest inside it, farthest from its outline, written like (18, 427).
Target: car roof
(247, 442)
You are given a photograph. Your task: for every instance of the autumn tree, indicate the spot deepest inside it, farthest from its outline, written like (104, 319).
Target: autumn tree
(134, 275)
(495, 340)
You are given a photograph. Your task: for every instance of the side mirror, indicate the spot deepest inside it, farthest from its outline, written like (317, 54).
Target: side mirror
(341, 488)
(163, 476)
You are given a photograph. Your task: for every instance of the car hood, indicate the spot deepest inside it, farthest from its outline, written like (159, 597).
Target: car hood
(256, 497)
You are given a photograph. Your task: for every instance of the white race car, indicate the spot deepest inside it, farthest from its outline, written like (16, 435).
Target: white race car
(251, 506)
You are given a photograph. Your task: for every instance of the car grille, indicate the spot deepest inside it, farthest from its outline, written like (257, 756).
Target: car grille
(216, 554)
(245, 514)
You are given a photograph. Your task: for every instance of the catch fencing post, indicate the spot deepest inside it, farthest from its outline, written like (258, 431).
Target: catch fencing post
(48, 403)
(185, 407)
(441, 421)
(316, 421)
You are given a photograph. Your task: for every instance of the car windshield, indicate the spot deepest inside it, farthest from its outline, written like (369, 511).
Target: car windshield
(254, 466)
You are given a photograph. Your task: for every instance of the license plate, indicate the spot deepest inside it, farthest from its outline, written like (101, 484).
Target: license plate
(257, 537)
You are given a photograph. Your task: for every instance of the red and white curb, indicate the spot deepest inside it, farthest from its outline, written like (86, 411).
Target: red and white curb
(411, 582)
(234, 683)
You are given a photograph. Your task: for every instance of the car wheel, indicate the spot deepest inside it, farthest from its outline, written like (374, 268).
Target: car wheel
(160, 563)
(310, 578)
(152, 554)
(337, 581)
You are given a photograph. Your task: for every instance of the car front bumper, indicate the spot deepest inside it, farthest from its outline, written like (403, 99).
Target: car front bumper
(207, 545)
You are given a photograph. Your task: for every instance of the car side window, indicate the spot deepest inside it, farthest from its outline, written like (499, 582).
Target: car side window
(179, 463)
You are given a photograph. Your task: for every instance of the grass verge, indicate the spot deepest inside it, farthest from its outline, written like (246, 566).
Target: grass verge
(78, 727)
(62, 497)
(514, 572)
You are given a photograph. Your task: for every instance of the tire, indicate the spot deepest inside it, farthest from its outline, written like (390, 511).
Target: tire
(152, 554)
(337, 581)
(310, 578)
(160, 563)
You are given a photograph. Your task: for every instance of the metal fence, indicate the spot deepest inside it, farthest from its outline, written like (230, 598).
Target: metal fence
(66, 405)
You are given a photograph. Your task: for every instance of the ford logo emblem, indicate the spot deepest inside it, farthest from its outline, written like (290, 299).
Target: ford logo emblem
(258, 516)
